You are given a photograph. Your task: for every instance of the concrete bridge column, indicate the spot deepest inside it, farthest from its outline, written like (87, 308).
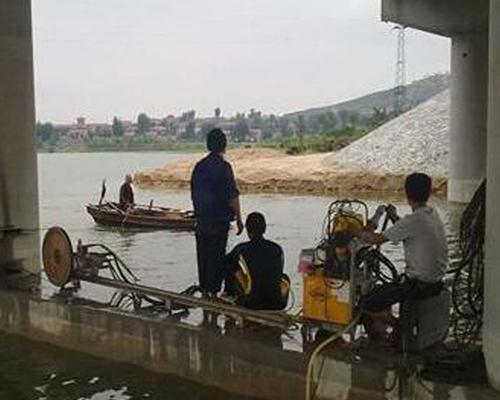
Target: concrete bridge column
(491, 332)
(18, 161)
(469, 113)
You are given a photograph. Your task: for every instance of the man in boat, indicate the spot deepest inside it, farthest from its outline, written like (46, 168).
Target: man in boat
(256, 269)
(426, 254)
(216, 203)
(127, 194)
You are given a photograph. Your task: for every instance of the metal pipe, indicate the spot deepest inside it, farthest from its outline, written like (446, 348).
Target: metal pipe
(274, 319)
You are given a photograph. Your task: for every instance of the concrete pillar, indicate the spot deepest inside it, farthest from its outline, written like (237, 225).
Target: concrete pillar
(469, 113)
(491, 331)
(18, 161)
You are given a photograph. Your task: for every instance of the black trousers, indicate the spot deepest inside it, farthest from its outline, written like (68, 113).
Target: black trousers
(384, 296)
(211, 243)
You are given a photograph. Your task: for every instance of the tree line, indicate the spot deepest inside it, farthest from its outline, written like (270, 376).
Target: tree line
(252, 126)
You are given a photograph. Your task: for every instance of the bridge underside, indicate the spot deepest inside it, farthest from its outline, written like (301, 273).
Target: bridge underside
(443, 17)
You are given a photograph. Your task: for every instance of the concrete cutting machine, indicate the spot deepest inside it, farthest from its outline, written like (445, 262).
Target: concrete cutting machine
(341, 268)
(67, 267)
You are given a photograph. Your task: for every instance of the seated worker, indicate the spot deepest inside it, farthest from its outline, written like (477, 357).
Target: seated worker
(127, 194)
(426, 254)
(257, 269)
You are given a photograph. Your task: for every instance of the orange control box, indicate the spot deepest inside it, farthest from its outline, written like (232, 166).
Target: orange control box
(326, 299)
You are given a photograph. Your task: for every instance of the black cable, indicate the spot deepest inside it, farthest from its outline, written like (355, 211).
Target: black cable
(375, 261)
(468, 274)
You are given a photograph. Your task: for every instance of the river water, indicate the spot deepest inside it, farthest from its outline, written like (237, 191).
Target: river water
(167, 259)
(161, 258)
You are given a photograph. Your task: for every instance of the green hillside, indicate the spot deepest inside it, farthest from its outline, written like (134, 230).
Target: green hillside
(417, 92)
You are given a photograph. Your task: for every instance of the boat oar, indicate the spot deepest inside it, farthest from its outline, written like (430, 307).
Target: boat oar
(126, 215)
(120, 211)
(115, 208)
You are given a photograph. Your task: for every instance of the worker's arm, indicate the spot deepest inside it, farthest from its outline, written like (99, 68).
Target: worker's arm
(231, 260)
(234, 203)
(368, 234)
(400, 231)
(132, 196)
(234, 197)
(371, 237)
(392, 212)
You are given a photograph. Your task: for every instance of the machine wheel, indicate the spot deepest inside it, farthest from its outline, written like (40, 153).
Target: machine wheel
(57, 254)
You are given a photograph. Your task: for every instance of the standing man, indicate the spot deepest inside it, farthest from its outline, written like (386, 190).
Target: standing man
(127, 194)
(216, 203)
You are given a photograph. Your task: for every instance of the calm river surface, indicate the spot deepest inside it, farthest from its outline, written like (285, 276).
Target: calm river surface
(165, 259)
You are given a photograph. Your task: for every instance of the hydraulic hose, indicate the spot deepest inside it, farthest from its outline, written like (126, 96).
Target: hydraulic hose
(319, 349)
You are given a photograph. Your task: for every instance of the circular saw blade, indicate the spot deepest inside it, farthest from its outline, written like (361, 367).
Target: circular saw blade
(57, 254)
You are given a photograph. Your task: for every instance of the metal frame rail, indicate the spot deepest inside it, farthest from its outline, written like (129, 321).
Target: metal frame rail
(274, 319)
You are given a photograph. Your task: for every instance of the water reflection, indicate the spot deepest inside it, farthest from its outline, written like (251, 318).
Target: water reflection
(30, 371)
(252, 332)
(370, 373)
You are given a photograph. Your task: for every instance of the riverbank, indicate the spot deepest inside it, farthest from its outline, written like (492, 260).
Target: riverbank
(265, 170)
(291, 145)
(124, 144)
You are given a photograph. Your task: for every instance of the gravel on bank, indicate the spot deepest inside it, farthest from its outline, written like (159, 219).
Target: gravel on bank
(415, 141)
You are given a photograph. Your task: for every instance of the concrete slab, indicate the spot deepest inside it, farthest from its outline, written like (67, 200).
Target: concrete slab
(250, 362)
(442, 17)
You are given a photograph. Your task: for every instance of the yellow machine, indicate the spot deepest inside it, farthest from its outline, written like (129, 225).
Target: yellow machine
(326, 299)
(331, 284)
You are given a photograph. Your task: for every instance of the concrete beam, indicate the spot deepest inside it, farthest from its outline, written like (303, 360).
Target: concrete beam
(442, 17)
(491, 331)
(18, 159)
(469, 115)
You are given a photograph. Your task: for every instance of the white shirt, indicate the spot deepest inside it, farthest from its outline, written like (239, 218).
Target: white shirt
(425, 245)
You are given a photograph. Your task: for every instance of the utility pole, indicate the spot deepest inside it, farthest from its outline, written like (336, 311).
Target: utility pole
(400, 84)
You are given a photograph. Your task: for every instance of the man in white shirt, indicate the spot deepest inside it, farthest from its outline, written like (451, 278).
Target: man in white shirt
(425, 247)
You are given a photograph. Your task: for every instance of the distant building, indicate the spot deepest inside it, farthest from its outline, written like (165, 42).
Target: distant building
(185, 126)
(129, 128)
(100, 129)
(256, 135)
(79, 131)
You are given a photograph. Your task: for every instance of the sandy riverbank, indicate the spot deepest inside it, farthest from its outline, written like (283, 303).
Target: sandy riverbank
(262, 170)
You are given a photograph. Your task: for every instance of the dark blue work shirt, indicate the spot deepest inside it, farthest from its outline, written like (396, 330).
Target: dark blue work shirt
(265, 261)
(212, 188)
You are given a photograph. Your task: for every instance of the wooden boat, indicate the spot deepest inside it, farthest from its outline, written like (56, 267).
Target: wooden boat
(153, 217)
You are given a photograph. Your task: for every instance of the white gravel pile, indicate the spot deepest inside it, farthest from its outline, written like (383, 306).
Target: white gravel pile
(415, 141)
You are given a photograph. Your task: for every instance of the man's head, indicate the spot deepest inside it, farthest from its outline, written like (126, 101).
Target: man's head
(216, 141)
(256, 225)
(418, 188)
(128, 178)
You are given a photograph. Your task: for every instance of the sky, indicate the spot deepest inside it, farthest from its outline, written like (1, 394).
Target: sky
(106, 58)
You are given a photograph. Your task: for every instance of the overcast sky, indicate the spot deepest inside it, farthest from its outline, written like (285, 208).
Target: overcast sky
(101, 58)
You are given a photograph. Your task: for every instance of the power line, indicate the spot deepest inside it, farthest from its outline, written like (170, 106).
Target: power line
(400, 84)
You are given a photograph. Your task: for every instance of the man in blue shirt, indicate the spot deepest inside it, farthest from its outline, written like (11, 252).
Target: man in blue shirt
(216, 203)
